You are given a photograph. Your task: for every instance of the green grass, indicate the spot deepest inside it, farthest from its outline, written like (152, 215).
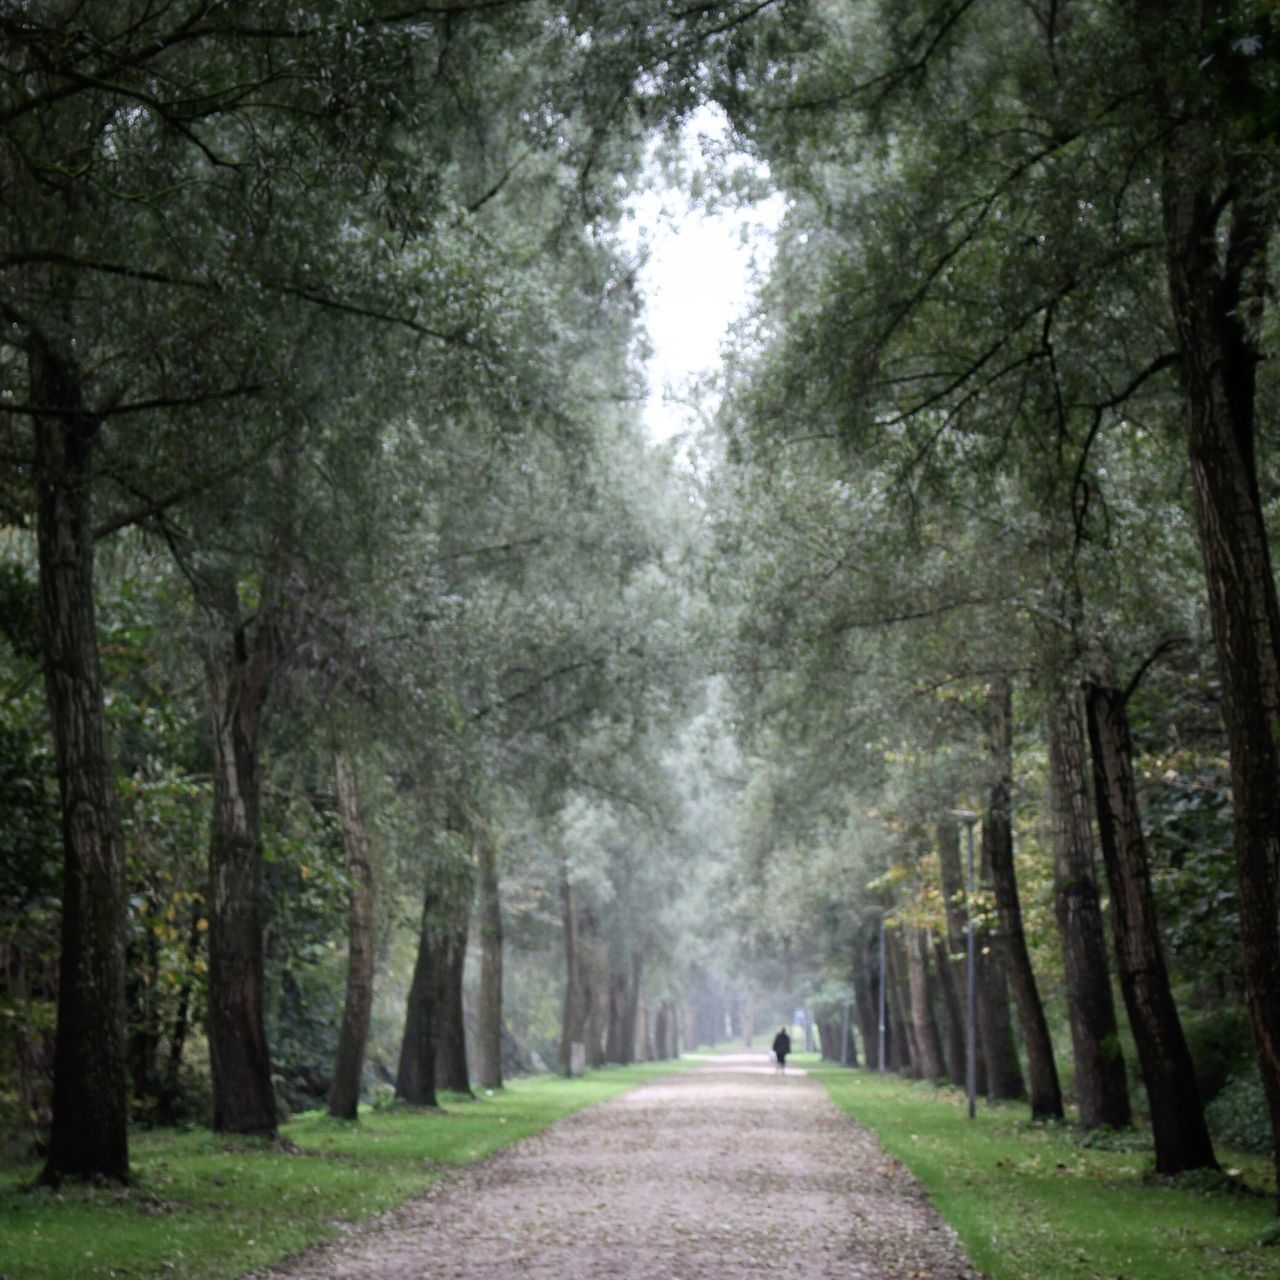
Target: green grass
(1035, 1202)
(209, 1208)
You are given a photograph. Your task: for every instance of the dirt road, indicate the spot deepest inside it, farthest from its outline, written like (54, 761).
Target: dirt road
(714, 1173)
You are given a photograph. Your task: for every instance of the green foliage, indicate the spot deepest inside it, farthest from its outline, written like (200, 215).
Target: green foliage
(1238, 1115)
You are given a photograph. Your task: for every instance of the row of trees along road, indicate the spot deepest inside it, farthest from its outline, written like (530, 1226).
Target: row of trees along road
(374, 636)
(285, 290)
(1002, 390)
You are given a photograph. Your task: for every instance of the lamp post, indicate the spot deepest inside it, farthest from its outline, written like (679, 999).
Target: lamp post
(969, 818)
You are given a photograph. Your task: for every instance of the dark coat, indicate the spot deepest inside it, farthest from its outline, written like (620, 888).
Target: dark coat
(781, 1045)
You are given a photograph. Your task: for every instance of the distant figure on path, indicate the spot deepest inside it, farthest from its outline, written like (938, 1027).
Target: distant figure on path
(781, 1047)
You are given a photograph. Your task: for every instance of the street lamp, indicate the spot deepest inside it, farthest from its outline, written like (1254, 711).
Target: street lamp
(969, 818)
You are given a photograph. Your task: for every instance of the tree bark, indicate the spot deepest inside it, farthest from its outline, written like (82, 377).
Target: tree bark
(489, 1000)
(923, 1019)
(450, 954)
(999, 1048)
(951, 957)
(951, 988)
(574, 1016)
(1102, 1089)
(595, 987)
(616, 1048)
(237, 664)
(348, 1064)
(865, 998)
(631, 1024)
(1045, 1093)
(903, 1053)
(89, 1138)
(416, 1073)
(1217, 226)
(1177, 1114)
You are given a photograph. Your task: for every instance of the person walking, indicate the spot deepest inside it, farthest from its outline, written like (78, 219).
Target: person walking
(781, 1047)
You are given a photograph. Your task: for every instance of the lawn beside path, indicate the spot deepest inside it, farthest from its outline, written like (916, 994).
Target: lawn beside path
(1032, 1202)
(209, 1208)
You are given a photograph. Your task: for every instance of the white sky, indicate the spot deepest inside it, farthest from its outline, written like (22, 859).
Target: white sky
(697, 281)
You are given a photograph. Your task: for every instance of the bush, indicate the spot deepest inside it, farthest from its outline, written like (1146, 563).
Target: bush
(1238, 1115)
(1221, 1044)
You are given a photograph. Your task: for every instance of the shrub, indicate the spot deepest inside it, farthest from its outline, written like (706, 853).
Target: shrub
(1238, 1115)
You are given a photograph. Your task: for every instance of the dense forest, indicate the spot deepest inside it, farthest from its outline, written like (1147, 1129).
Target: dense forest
(382, 711)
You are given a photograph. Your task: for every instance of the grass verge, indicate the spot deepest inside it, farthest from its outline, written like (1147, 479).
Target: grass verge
(1035, 1202)
(210, 1208)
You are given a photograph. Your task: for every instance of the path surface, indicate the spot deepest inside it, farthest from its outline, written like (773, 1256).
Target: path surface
(719, 1172)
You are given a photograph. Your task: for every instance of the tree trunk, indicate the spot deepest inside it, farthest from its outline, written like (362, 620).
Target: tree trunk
(631, 1024)
(89, 1138)
(1045, 1093)
(574, 1016)
(595, 988)
(1177, 1115)
(1102, 1089)
(903, 1053)
(1213, 271)
(450, 953)
(416, 1073)
(952, 955)
(923, 1019)
(348, 1063)
(996, 1040)
(866, 998)
(951, 985)
(237, 674)
(615, 1043)
(489, 1000)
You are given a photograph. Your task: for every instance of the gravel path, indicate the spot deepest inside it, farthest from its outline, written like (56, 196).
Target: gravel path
(716, 1172)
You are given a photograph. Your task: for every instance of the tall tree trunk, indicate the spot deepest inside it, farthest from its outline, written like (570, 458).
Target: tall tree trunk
(353, 1034)
(450, 951)
(574, 1016)
(951, 987)
(952, 955)
(866, 997)
(1217, 227)
(595, 988)
(664, 1046)
(1045, 1093)
(89, 1138)
(237, 676)
(904, 1053)
(996, 1039)
(615, 1042)
(489, 999)
(1177, 1114)
(631, 1025)
(416, 1073)
(1102, 1089)
(923, 1019)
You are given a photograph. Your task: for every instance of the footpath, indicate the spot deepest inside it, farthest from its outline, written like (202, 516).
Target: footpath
(719, 1172)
